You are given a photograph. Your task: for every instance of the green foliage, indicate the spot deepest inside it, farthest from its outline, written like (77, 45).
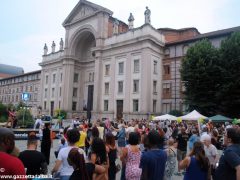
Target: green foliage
(175, 113)
(212, 77)
(199, 72)
(3, 113)
(28, 119)
(60, 112)
(229, 94)
(20, 105)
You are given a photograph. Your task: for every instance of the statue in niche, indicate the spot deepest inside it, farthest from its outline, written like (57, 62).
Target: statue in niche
(130, 21)
(115, 26)
(45, 49)
(147, 14)
(61, 45)
(53, 47)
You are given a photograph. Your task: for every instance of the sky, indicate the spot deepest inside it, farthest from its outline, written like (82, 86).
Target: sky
(25, 25)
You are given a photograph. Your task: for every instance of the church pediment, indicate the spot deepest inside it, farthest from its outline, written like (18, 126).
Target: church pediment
(83, 10)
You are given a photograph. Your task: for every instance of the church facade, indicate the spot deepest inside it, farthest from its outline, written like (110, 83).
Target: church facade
(106, 68)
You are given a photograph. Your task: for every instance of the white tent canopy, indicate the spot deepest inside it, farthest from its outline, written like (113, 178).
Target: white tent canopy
(194, 115)
(165, 117)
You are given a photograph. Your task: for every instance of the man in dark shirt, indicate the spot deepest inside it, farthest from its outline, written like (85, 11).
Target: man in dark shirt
(153, 161)
(229, 163)
(9, 165)
(33, 160)
(182, 140)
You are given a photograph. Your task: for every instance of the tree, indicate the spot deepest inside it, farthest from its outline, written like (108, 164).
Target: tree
(229, 93)
(3, 113)
(175, 113)
(199, 72)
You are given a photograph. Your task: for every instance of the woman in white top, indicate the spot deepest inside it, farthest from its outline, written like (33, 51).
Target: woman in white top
(66, 170)
(210, 151)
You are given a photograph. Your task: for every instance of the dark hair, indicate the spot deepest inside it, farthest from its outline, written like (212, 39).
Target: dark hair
(7, 138)
(110, 139)
(95, 132)
(199, 153)
(154, 139)
(98, 147)
(89, 125)
(65, 130)
(63, 141)
(145, 141)
(73, 136)
(215, 133)
(234, 135)
(47, 125)
(77, 159)
(133, 138)
(32, 139)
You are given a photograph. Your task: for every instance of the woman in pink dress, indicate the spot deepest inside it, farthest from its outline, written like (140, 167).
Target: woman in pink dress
(132, 155)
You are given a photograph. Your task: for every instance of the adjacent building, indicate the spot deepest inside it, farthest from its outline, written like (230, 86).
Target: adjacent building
(106, 68)
(8, 71)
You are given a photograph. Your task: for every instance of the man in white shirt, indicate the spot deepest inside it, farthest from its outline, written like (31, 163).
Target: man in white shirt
(38, 123)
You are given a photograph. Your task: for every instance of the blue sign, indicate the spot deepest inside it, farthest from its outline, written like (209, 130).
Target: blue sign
(25, 96)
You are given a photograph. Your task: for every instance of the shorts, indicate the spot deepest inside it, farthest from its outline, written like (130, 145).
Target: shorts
(181, 155)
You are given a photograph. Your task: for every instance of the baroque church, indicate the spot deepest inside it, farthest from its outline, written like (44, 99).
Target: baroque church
(105, 67)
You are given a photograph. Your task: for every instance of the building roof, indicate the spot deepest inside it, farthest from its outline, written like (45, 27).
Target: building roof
(212, 34)
(33, 72)
(11, 70)
(178, 30)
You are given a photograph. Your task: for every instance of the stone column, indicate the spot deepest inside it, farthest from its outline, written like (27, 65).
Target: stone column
(67, 88)
(97, 94)
(146, 74)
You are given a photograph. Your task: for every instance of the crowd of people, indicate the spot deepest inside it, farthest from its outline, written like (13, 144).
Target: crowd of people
(138, 149)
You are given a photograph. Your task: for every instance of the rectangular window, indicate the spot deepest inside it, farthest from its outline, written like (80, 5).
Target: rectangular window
(61, 76)
(166, 88)
(90, 77)
(166, 69)
(75, 79)
(166, 108)
(45, 93)
(135, 86)
(53, 92)
(105, 105)
(155, 67)
(135, 105)
(59, 104)
(120, 68)
(54, 78)
(74, 106)
(136, 66)
(154, 105)
(155, 87)
(60, 91)
(31, 88)
(75, 92)
(120, 86)
(107, 69)
(106, 88)
(45, 105)
(46, 79)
